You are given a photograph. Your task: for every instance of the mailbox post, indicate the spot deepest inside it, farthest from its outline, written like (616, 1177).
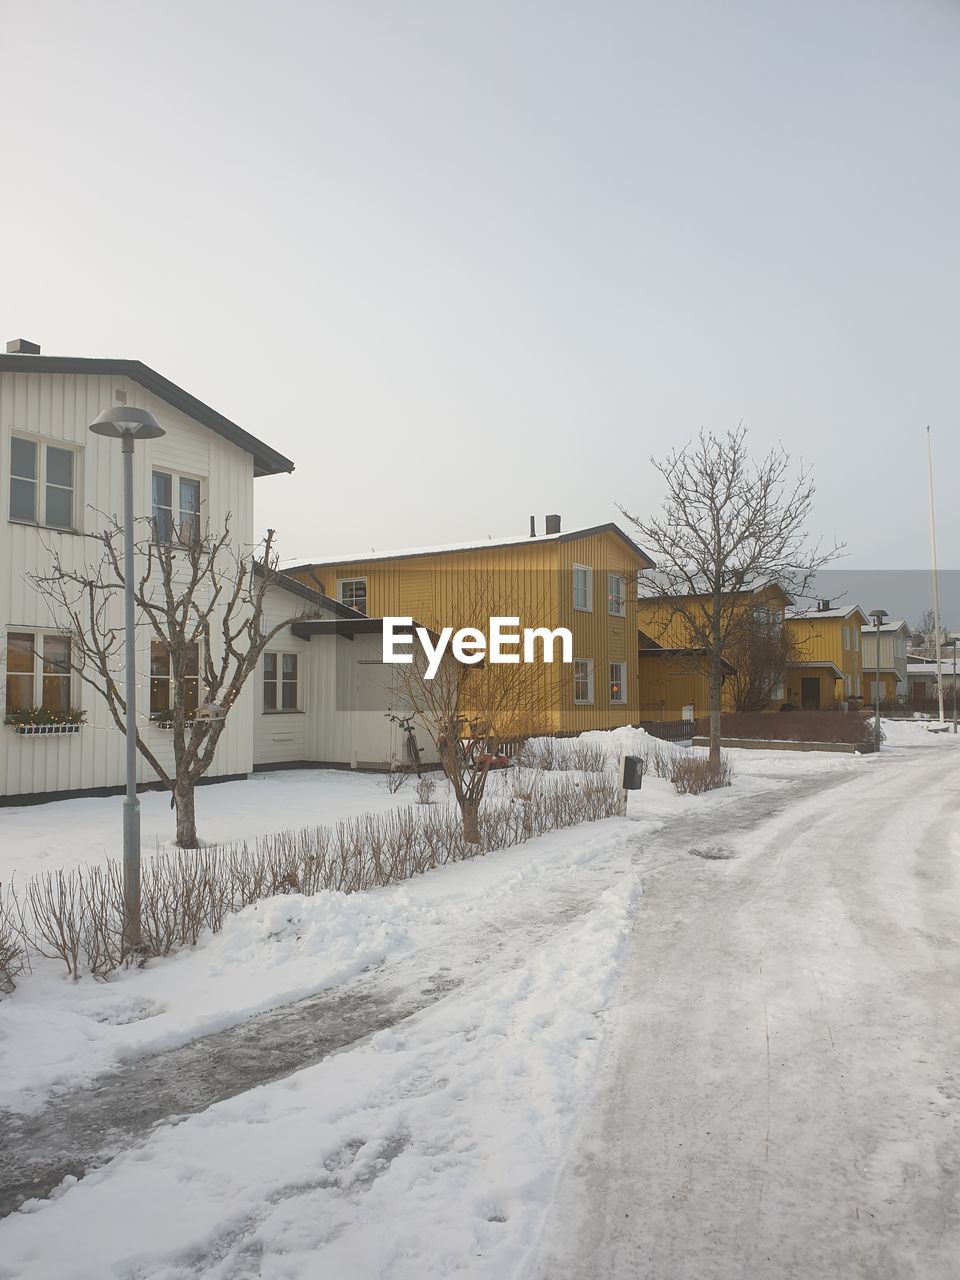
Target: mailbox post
(631, 779)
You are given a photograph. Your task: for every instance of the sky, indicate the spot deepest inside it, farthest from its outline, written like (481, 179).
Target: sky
(468, 262)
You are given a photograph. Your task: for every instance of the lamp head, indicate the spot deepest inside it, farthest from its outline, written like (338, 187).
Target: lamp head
(125, 420)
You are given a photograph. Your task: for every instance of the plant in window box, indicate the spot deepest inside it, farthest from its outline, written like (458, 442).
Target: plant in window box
(39, 722)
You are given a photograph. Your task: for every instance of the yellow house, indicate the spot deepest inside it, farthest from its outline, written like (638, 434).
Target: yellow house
(582, 579)
(829, 668)
(674, 672)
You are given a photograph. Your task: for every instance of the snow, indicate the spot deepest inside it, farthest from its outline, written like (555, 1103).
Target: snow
(455, 1140)
(445, 1131)
(441, 547)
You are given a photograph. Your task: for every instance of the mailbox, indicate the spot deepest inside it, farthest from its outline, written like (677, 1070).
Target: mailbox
(631, 773)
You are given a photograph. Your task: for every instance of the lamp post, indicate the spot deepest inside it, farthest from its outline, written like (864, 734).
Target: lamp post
(127, 424)
(954, 644)
(878, 616)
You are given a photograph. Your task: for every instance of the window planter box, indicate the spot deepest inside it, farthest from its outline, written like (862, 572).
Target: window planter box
(45, 730)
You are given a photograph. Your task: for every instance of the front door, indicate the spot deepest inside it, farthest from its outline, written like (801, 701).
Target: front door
(810, 693)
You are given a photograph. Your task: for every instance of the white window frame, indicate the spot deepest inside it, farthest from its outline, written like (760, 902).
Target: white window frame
(341, 583)
(846, 639)
(856, 686)
(38, 675)
(279, 680)
(583, 667)
(622, 682)
(587, 570)
(176, 538)
(847, 684)
(41, 444)
(856, 639)
(614, 599)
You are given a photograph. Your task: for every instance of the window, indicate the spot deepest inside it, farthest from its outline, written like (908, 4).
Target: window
(36, 469)
(38, 672)
(856, 639)
(583, 680)
(162, 695)
(846, 637)
(618, 682)
(583, 588)
(176, 521)
(616, 595)
(353, 592)
(846, 685)
(280, 682)
(856, 685)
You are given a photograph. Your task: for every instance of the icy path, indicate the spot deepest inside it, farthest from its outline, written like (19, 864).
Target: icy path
(781, 1092)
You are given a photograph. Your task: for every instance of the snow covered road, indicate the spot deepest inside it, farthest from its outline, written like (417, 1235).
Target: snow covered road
(781, 1095)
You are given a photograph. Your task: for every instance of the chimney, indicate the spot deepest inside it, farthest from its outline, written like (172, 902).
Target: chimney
(823, 606)
(21, 347)
(553, 524)
(533, 526)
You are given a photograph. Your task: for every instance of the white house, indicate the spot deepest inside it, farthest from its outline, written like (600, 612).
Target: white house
(59, 483)
(893, 639)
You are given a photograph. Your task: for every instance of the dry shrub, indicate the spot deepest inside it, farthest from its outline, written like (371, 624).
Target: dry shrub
(658, 758)
(14, 957)
(396, 776)
(586, 757)
(541, 754)
(77, 915)
(692, 775)
(426, 786)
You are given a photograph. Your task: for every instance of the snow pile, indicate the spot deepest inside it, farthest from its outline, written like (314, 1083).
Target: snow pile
(434, 1148)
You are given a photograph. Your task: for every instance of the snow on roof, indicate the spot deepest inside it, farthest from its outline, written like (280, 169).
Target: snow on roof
(394, 553)
(930, 668)
(887, 626)
(800, 614)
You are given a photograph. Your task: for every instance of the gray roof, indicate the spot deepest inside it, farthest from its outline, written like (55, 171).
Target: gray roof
(266, 461)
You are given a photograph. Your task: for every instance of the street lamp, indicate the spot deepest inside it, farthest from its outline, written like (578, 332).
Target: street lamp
(878, 616)
(127, 424)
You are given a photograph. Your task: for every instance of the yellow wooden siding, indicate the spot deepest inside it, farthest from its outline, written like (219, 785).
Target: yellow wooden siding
(667, 684)
(831, 687)
(533, 581)
(822, 640)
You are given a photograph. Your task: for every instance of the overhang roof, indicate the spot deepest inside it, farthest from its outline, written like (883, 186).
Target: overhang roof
(266, 461)
(806, 666)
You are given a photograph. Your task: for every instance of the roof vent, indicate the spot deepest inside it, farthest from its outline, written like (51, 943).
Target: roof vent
(553, 524)
(533, 526)
(21, 347)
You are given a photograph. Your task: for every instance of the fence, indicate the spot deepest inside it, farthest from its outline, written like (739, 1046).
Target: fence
(668, 730)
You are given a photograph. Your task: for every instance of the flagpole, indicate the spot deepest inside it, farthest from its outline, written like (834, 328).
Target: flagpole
(936, 587)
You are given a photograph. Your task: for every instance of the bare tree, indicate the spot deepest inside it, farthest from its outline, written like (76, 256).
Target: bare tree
(202, 599)
(759, 649)
(471, 711)
(729, 525)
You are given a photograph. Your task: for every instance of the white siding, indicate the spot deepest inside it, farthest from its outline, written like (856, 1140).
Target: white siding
(59, 408)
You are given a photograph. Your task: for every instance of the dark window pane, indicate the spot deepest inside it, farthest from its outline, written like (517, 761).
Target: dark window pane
(59, 508)
(269, 666)
(289, 695)
(59, 467)
(56, 655)
(290, 666)
(23, 500)
(20, 648)
(269, 695)
(192, 665)
(19, 693)
(162, 490)
(159, 695)
(56, 693)
(189, 497)
(23, 458)
(159, 659)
